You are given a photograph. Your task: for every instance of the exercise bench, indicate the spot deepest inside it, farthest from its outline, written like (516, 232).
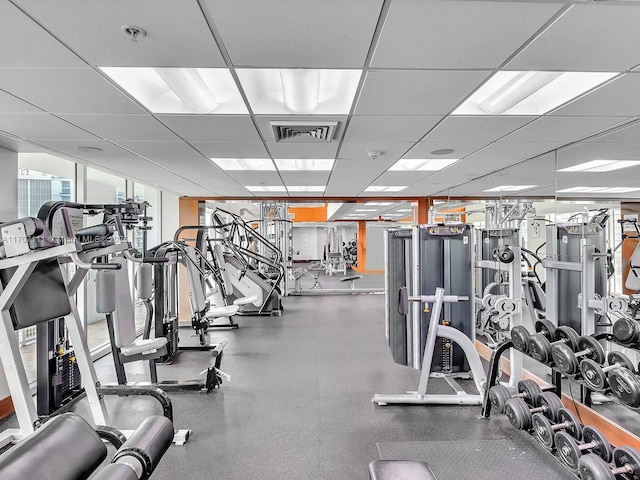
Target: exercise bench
(352, 279)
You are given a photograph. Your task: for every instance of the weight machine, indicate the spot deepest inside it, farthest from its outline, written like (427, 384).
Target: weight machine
(437, 340)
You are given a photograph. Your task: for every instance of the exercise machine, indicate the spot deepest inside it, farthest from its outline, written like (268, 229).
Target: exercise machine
(432, 332)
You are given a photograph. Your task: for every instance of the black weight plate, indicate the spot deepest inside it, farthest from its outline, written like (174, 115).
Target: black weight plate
(539, 348)
(574, 428)
(628, 456)
(530, 389)
(498, 396)
(625, 330)
(569, 335)
(518, 413)
(551, 403)
(593, 375)
(546, 328)
(596, 352)
(520, 338)
(592, 467)
(621, 360)
(603, 447)
(565, 359)
(568, 450)
(543, 429)
(626, 386)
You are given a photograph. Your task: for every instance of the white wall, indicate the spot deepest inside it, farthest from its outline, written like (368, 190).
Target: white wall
(8, 211)
(375, 245)
(306, 244)
(170, 213)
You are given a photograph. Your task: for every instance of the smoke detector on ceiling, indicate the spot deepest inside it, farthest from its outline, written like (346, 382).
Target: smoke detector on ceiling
(304, 132)
(373, 154)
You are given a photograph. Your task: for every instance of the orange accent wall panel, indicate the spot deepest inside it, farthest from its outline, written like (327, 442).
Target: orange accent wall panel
(309, 214)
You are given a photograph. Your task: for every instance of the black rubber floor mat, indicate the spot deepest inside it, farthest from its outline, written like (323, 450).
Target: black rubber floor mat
(505, 459)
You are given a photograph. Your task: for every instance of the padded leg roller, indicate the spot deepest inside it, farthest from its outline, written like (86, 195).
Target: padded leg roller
(45, 454)
(144, 449)
(400, 470)
(115, 471)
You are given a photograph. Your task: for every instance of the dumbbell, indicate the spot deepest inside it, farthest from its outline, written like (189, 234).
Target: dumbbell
(527, 390)
(625, 459)
(541, 348)
(545, 430)
(566, 359)
(594, 375)
(570, 450)
(625, 385)
(520, 335)
(626, 331)
(521, 415)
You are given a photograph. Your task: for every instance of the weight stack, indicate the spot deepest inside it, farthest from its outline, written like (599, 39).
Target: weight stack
(170, 331)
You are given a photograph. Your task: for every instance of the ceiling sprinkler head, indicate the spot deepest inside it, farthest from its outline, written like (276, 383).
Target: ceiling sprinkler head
(373, 154)
(134, 32)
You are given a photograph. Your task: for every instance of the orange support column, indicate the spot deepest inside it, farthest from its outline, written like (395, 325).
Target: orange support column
(188, 214)
(424, 204)
(362, 247)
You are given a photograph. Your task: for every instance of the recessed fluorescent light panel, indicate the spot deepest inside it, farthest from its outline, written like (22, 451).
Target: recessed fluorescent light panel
(366, 209)
(529, 92)
(244, 163)
(306, 188)
(599, 190)
(293, 164)
(385, 188)
(601, 166)
(510, 188)
(403, 210)
(429, 164)
(379, 204)
(180, 90)
(299, 91)
(265, 188)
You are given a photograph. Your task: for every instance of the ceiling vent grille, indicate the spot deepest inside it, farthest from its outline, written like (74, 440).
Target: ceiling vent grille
(304, 132)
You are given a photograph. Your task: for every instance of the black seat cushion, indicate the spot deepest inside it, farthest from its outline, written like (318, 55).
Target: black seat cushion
(400, 470)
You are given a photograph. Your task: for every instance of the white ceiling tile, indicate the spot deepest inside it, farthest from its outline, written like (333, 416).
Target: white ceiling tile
(391, 128)
(264, 123)
(123, 127)
(303, 150)
(585, 151)
(41, 126)
(456, 34)
(25, 44)
(255, 177)
(350, 177)
(630, 134)
(416, 92)
(231, 150)
(582, 40)
(460, 149)
(14, 145)
(501, 154)
(617, 98)
(476, 128)
(93, 28)
(166, 150)
(304, 178)
(11, 104)
(212, 128)
(296, 33)
(402, 178)
(67, 90)
(392, 151)
(561, 129)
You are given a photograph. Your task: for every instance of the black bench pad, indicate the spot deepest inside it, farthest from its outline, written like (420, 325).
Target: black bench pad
(400, 470)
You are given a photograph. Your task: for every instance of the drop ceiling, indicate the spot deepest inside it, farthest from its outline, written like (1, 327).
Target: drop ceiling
(418, 61)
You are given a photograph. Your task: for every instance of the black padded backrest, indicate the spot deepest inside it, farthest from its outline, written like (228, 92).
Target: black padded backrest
(43, 297)
(65, 448)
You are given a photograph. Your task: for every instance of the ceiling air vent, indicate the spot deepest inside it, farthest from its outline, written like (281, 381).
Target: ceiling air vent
(304, 132)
